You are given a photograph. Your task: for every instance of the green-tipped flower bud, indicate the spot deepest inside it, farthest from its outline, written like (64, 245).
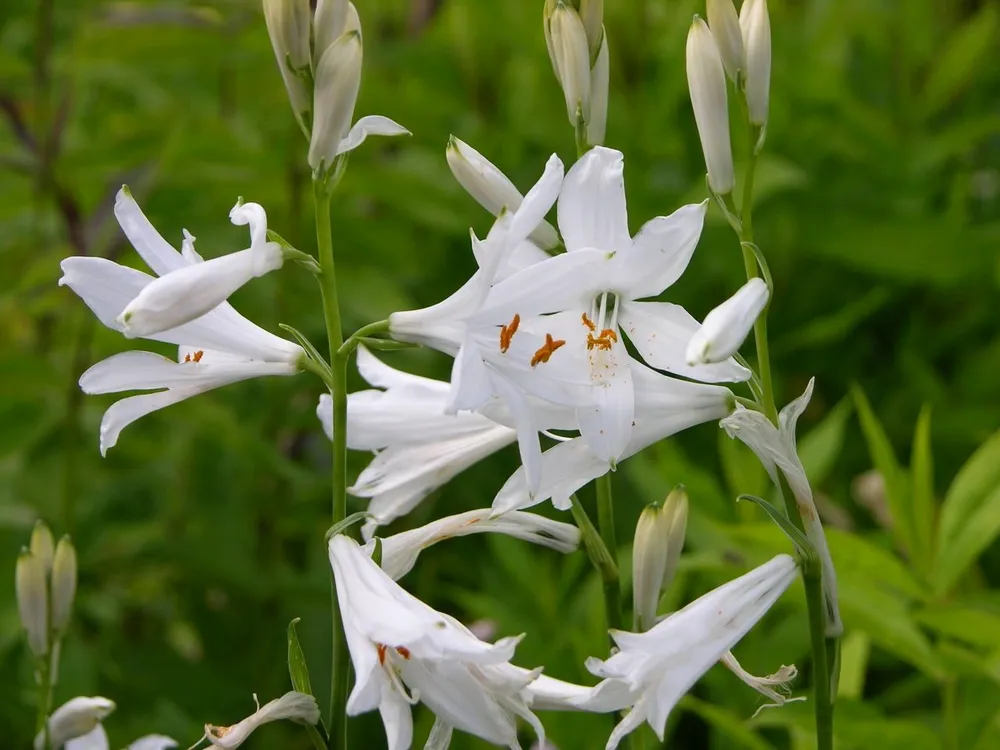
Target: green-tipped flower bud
(725, 26)
(592, 15)
(32, 600)
(571, 55)
(756, 27)
(659, 538)
(338, 79)
(63, 584)
(42, 546)
(288, 25)
(707, 84)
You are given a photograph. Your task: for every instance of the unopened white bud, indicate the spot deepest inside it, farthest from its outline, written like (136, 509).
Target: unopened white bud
(592, 15)
(600, 76)
(329, 23)
(63, 584)
(571, 54)
(32, 600)
(288, 23)
(756, 27)
(297, 707)
(707, 84)
(726, 327)
(73, 719)
(659, 539)
(338, 79)
(42, 546)
(725, 25)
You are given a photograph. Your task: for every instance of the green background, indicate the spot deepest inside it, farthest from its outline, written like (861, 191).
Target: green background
(200, 535)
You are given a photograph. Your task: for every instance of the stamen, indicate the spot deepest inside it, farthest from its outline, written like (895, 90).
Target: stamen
(196, 357)
(507, 333)
(381, 648)
(588, 322)
(604, 307)
(609, 333)
(546, 350)
(403, 651)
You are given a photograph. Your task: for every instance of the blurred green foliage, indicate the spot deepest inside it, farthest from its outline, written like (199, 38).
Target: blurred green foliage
(200, 534)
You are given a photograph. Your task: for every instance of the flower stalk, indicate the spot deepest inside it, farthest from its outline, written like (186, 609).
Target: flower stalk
(606, 525)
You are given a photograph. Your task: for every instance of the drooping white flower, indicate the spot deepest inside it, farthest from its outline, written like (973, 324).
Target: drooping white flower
(774, 687)
(189, 291)
(75, 718)
(597, 285)
(405, 652)
(664, 406)
(652, 671)
(418, 447)
(216, 349)
(707, 86)
(756, 27)
(727, 326)
(297, 707)
(776, 449)
(400, 551)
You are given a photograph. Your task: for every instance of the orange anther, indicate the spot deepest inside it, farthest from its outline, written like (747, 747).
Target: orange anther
(507, 332)
(380, 647)
(545, 350)
(604, 341)
(588, 322)
(609, 333)
(403, 651)
(196, 357)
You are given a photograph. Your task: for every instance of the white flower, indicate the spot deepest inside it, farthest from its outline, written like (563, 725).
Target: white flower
(596, 284)
(725, 26)
(32, 600)
(727, 326)
(653, 670)
(191, 290)
(75, 718)
(491, 188)
(400, 551)
(219, 348)
(756, 27)
(663, 406)
(418, 447)
(297, 707)
(776, 449)
(404, 652)
(707, 85)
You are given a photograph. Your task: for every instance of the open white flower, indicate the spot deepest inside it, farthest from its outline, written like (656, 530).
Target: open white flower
(193, 289)
(77, 717)
(776, 449)
(216, 349)
(652, 671)
(664, 406)
(297, 707)
(400, 551)
(598, 283)
(405, 652)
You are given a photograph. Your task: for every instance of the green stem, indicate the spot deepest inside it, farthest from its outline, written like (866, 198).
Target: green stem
(379, 326)
(949, 708)
(340, 665)
(581, 136)
(606, 525)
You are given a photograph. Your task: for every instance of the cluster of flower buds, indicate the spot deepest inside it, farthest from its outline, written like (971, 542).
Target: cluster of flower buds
(737, 46)
(46, 586)
(659, 539)
(578, 48)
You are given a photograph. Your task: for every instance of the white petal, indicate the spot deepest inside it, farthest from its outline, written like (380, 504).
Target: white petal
(377, 373)
(439, 737)
(607, 426)
(123, 413)
(154, 742)
(156, 251)
(441, 326)
(660, 252)
(189, 253)
(369, 125)
(397, 718)
(96, 739)
(661, 332)
(527, 431)
(565, 468)
(471, 384)
(591, 208)
(632, 721)
(726, 326)
(537, 202)
(106, 287)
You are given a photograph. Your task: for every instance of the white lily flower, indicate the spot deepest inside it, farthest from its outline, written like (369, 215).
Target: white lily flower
(707, 85)
(491, 188)
(405, 652)
(400, 551)
(297, 707)
(191, 290)
(727, 326)
(776, 449)
(756, 27)
(652, 671)
(774, 687)
(418, 447)
(77, 717)
(219, 348)
(663, 406)
(598, 283)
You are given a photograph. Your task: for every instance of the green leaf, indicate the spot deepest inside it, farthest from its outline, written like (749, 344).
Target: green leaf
(803, 547)
(298, 670)
(922, 483)
(963, 622)
(956, 65)
(820, 449)
(858, 559)
(854, 654)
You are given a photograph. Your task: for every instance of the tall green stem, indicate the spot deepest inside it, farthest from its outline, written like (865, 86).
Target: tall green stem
(339, 674)
(606, 525)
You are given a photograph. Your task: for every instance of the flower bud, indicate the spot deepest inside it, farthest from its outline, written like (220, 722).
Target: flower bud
(756, 28)
(571, 55)
(707, 84)
(329, 23)
(63, 584)
(726, 327)
(659, 538)
(288, 23)
(338, 79)
(32, 600)
(75, 718)
(725, 26)
(41, 545)
(592, 15)
(599, 81)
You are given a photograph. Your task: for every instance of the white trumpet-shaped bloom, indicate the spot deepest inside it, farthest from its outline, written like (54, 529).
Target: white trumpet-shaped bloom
(418, 446)
(216, 349)
(191, 290)
(405, 652)
(400, 551)
(776, 449)
(652, 671)
(727, 326)
(293, 706)
(77, 717)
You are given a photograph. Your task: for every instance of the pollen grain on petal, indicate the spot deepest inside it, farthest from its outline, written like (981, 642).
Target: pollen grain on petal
(507, 332)
(546, 350)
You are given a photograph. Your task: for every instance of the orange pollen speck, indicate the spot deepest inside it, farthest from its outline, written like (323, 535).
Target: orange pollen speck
(604, 341)
(196, 357)
(588, 322)
(403, 651)
(380, 647)
(507, 332)
(545, 350)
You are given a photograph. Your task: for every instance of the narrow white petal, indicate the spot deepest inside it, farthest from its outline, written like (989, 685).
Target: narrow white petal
(565, 468)
(607, 425)
(369, 125)
(156, 251)
(123, 413)
(154, 742)
(537, 202)
(591, 207)
(727, 326)
(377, 373)
(471, 383)
(105, 286)
(397, 718)
(660, 252)
(439, 737)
